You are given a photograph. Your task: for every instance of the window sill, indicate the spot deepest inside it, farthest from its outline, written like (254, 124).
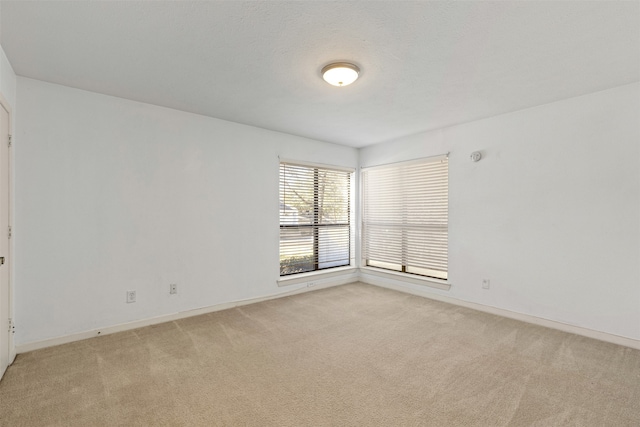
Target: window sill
(311, 276)
(407, 278)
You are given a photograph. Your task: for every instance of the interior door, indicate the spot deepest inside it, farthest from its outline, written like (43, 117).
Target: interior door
(5, 297)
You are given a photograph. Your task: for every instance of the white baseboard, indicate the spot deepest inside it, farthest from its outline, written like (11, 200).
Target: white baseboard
(320, 284)
(326, 283)
(590, 333)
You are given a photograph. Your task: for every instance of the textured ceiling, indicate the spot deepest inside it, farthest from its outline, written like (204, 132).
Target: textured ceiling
(425, 65)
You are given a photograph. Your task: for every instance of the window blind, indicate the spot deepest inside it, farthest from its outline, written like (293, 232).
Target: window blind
(315, 229)
(405, 217)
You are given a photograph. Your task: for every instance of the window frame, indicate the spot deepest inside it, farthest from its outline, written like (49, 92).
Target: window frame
(296, 277)
(395, 270)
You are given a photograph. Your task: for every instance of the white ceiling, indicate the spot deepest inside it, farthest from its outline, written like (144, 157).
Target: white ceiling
(425, 65)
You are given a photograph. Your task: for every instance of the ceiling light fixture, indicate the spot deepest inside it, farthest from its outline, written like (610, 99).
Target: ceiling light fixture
(340, 73)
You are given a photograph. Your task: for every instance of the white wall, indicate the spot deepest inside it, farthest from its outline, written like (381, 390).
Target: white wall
(7, 80)
(115, 195)
(551, 214)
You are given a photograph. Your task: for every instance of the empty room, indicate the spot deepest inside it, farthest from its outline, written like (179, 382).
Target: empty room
(319, 213)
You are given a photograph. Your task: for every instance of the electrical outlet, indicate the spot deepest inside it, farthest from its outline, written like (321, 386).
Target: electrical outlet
(131, 296)
(173, 289)
(486, 283)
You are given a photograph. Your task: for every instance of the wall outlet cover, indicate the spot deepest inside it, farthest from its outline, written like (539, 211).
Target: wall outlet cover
(131, 296)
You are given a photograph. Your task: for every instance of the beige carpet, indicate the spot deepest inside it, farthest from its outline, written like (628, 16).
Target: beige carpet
(354, 355)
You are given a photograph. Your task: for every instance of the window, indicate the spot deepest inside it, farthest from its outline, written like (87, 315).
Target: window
(405, 217)
(315, 211)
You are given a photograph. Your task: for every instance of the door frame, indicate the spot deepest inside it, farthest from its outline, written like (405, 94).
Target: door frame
(12, 348)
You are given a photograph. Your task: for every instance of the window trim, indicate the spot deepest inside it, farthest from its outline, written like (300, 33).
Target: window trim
(314, 165)
(312, 276)
(415, 279)
(406, 162)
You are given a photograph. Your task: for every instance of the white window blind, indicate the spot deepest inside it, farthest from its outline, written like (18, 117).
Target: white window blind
(315, 229)
(405, 217)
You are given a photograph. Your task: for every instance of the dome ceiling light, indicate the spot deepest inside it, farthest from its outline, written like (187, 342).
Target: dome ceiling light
(340, 73)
